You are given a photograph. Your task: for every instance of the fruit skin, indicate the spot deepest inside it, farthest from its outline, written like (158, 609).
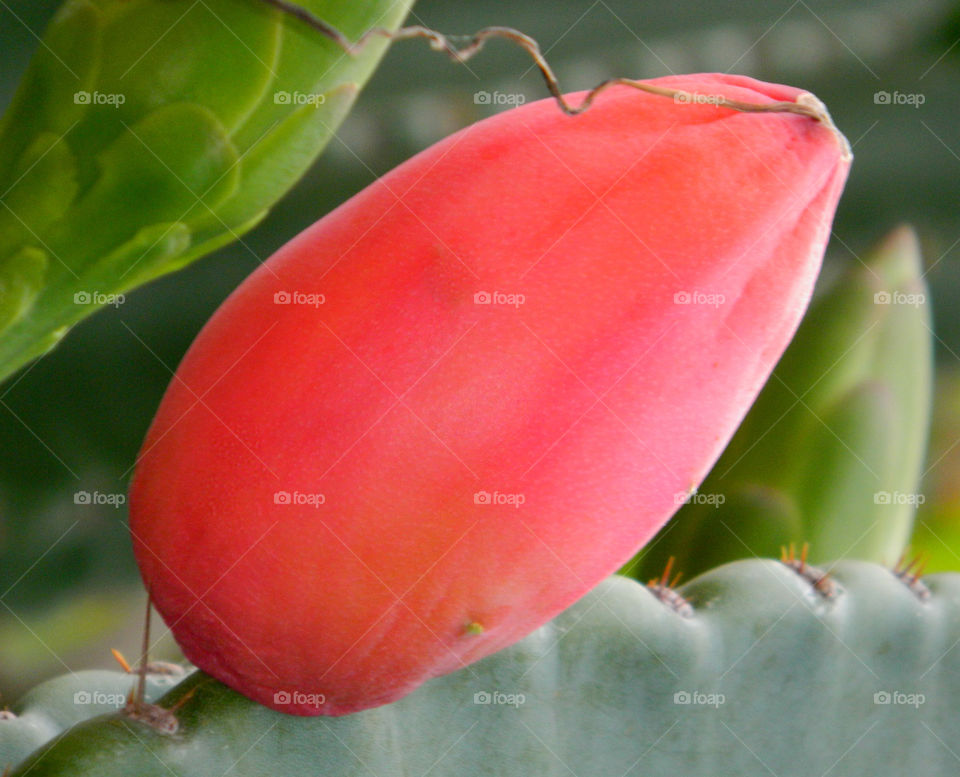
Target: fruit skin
(840, 429)
(597, 398)
(793, 676)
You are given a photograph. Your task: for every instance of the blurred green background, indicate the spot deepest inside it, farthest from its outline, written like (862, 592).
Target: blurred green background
(74, 421)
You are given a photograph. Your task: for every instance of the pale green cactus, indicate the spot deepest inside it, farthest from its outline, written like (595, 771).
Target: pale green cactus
(55, 705)
(761, 668)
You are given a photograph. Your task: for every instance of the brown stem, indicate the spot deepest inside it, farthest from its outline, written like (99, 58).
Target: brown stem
(474, 44)
(142, 668)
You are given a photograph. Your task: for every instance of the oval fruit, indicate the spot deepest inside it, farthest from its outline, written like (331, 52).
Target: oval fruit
(440, 415)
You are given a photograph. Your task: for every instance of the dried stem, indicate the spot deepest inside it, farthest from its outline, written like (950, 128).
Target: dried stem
(806, 105)
(141, 694)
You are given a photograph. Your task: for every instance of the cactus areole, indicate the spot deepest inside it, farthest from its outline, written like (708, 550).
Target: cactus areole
(444, 412)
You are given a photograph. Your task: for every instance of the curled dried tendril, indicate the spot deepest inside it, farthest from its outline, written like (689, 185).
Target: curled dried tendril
(805, 105)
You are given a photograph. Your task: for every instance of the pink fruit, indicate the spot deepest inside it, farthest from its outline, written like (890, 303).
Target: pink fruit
(437, 417)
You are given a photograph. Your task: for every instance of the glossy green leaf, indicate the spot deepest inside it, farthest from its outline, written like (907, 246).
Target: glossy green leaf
(20, 283)
(136, 114)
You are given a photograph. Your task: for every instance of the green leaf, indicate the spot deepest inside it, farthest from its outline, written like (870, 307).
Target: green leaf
(767, 674)
(229, 78)
(172, 166)
(45, 101)
(270, 164)
(44, 185)
(936, 536)
(20, 281)
(134, 114)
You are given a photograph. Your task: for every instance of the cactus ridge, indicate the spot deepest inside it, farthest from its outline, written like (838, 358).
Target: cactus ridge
(621, 680)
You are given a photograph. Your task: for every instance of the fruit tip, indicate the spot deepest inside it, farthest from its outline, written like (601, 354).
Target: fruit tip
(818, 110)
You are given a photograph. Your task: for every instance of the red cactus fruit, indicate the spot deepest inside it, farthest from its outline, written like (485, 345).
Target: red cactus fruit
(441, 414)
